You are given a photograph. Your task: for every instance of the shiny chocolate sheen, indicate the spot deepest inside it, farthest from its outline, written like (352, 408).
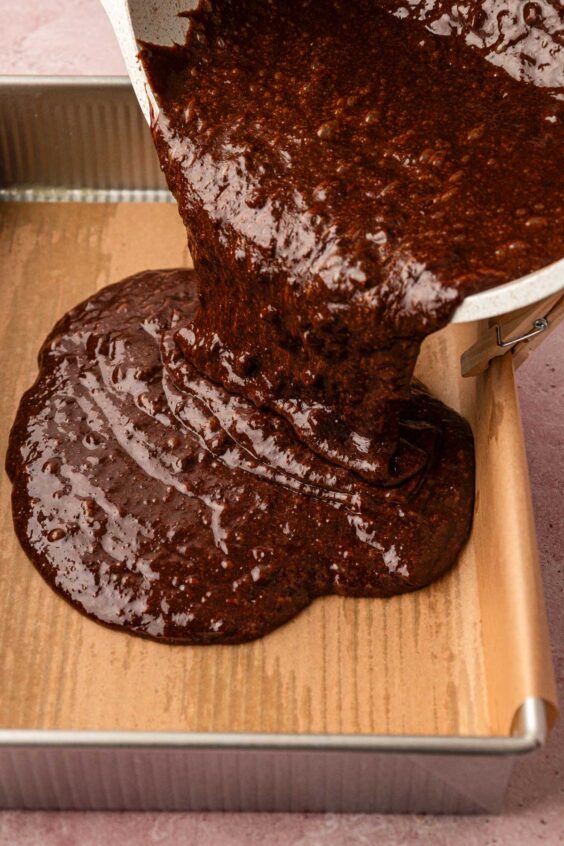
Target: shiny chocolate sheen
(346, 178)
(155, 501)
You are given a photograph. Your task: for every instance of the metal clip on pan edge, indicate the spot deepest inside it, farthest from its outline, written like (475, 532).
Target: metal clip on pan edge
(518, 332)
(540, 324)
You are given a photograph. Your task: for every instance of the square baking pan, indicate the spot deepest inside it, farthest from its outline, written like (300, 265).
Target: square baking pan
(419, 703)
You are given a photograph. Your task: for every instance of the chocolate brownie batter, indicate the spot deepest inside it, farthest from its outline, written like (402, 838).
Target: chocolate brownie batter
(154, 500)
(205, 452)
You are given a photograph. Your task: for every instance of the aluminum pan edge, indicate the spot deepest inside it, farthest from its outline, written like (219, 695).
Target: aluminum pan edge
(530, 734)
(495, 301)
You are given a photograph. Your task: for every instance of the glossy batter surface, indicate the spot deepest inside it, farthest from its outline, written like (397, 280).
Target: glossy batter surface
(346, 178)
(160, 503)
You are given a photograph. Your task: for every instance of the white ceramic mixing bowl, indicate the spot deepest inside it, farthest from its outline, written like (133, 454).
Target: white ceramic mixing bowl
(136, 20)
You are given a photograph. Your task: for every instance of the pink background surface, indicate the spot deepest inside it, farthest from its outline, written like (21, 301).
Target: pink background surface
(73, 37)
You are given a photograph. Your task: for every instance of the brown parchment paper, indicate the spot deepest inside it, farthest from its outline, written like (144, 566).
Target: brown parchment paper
(456, 658)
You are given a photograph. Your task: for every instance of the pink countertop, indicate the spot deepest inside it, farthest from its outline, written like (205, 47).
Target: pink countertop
(73, 37)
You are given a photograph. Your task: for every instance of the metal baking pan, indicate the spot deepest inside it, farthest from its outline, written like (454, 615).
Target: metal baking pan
(85, 140)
